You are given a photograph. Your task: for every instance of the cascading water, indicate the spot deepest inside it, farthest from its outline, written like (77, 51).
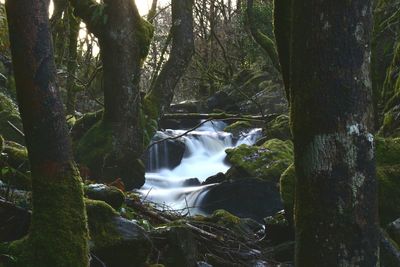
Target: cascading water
(204, 156)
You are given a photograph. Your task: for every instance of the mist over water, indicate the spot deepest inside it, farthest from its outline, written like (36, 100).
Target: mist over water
(204, 156)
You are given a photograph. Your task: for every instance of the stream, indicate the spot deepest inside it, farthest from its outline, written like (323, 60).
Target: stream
(204, 155)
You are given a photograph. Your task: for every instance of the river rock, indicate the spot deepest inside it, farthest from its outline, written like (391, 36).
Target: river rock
(166, 154)
(245, 198)
(266, 162)
(217, 178)
(191, 182)
(178, 244)
(116, 241)
(109, 194)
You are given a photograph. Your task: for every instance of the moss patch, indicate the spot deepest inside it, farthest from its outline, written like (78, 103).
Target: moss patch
(278, 128)
(266, 162)
(9, 113)
(238, 127)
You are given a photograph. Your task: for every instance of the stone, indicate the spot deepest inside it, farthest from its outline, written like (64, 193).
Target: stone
(109, 194)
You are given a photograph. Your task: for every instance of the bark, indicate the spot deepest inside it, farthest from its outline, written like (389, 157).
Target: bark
(124, 39)
(160, 96)
(74, 27)
(336, 191)
(58, 233)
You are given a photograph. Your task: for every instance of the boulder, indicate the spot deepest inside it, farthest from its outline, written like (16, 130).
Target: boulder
(277, 228)
(242, 198)
(114, 240)
(215, 179)
(266, 162)
(278, 128)
(393, 230)
(238, 127)
(178, 244)
(109, 194)
(191, 182)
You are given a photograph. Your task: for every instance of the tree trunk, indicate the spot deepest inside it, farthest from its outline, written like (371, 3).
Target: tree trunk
(124, 39)
(58, 233)
(162, 92)
(336, 191)
(74, 27)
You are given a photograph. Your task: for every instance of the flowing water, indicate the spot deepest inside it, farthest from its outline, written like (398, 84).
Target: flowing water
(204, 156)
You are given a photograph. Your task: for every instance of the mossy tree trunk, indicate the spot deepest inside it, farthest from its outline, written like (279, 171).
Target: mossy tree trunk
(124, 39)
(336, 215)
(264, 41)
(160, 95)
(58, 234)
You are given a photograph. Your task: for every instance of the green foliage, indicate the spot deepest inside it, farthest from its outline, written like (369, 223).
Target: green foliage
(9, 113)
(278, 128)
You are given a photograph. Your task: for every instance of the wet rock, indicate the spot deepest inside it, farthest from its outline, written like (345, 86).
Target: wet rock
(109, 194)
(114, 240)
(191, 182)
(245, 198)
(215, 179)
(190, 106)
(166, 154)
(178, 244)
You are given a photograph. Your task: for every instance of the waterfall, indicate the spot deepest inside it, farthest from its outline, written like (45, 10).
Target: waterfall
(204, 155)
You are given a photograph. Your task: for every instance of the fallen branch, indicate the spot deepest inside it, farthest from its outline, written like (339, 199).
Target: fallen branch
(218, 116)
(15, 128)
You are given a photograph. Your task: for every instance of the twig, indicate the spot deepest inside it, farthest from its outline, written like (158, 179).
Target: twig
(15, 128)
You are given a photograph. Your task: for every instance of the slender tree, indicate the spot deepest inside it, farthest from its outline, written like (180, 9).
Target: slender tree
(58, 233)
(336, 215)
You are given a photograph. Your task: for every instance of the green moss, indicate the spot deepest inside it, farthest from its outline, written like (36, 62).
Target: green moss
(14, 165)
(9, 113)
(287, 190)
(109, 194)
(387, 151)
(224, 218)
(102, 230)
(58, 233)
(1, 143)
(278, 128)
(237, 127)
(266, 162)
(389, 193)
(94, 147)
(145, 33)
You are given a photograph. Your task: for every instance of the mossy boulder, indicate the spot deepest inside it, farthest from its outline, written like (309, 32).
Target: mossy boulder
(388, 174)
(9, 113)
(278, 128)
(114, 240)
(14, 166)
(266, 162)
(109, 194)
(238, 127)
(83, 124)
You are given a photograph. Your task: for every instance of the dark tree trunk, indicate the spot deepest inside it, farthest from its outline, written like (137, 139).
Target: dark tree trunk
(58, 233)
(124, 39)
(282, 30)
(336, 191)
(162, 91)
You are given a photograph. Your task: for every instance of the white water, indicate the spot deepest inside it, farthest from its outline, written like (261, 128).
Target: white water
(204, 156)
